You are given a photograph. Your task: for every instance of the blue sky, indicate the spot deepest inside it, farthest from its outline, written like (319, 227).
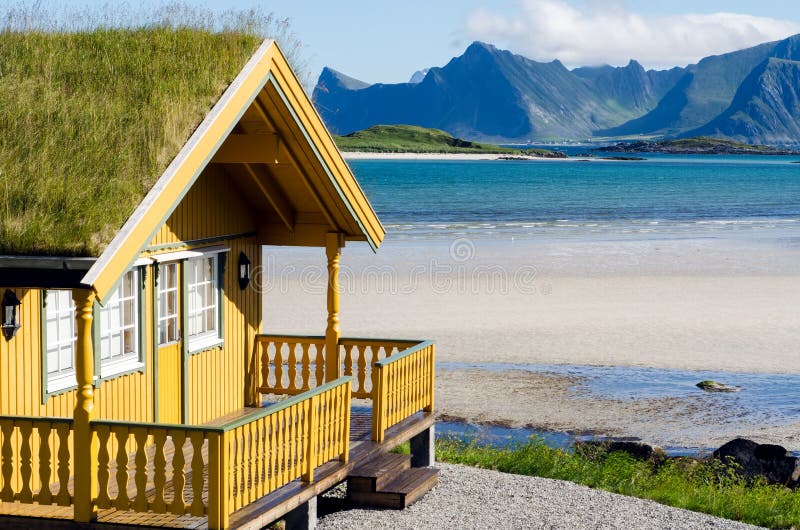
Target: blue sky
(380, 41)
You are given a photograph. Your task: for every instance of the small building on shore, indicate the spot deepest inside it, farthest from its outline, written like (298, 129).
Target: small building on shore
(141, 175)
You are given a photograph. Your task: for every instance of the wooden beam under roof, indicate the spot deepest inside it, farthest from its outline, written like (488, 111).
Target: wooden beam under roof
(250, 149)
(304, 235)
(297, 166)
(273, 193)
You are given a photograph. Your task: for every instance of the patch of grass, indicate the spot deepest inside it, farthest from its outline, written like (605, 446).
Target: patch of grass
(706, 486)
(403, 449)
(414, 139)
(90, 117)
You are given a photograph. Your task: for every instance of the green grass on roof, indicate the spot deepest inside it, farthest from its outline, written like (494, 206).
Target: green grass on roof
(90, 120)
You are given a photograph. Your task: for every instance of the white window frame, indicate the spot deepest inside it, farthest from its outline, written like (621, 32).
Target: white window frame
(59, 307)
(208, 338)
(163, 290)
(125, 361)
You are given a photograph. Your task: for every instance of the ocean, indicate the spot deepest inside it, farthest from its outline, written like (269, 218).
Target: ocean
(662, 195)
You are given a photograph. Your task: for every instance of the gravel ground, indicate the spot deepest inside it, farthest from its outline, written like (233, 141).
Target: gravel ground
(468, 497)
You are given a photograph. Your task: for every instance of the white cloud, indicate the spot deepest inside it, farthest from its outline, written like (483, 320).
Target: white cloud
(606, 32)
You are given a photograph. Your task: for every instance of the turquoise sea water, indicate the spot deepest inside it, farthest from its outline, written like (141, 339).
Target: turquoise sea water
(694, 194)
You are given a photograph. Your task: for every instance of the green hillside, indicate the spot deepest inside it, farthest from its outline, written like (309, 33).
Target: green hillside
(413, 139)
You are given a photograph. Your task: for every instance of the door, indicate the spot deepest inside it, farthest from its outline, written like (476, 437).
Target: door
(169, 381)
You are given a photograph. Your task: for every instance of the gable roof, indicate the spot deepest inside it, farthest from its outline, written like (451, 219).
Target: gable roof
(267, 84)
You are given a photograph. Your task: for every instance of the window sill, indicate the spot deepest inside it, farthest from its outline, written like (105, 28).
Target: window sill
(61, 385)
(205, 344)
(118, 369)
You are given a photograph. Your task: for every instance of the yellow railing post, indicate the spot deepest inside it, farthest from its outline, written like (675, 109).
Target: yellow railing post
(84, 442)
(312, 440)
(333, 250)
(378, 402)
(431, 377)
(253, 374)
(217, 482)
(345, 456)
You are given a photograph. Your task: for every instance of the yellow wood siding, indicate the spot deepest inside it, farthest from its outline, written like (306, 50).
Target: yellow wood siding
(217, 376)
(127, 397)
(211, 208)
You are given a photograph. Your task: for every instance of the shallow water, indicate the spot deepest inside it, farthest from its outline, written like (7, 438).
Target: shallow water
(499, 436)
(772, 399)
(763, 399)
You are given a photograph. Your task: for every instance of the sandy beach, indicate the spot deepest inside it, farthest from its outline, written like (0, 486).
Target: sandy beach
(727, 304)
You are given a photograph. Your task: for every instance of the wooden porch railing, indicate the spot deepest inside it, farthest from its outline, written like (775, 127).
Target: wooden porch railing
(35, 460)
(359, 355)
(274, 446)
(402, 386)
(397, 375)
(152, 467)
(291, 364)
(214, 471)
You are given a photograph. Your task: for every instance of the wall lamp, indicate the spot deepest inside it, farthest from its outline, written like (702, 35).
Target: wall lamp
(244, 271)
(10, 314)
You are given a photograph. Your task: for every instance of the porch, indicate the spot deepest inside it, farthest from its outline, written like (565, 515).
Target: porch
(243, 470)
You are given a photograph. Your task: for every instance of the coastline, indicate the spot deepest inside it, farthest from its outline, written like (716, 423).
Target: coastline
(363, 155)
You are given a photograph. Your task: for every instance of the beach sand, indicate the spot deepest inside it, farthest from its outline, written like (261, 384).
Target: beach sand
(725, 303)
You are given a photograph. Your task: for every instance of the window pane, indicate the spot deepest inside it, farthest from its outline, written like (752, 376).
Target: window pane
(172, 303)
(127, 313)
(65, 359)
(211, 319)
(128, 341)
(52, 331)
(127, 290)
(52, 361)
(64, 328)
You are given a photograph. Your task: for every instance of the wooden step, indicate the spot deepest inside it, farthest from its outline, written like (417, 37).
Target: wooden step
(408, 486)
(376, 473)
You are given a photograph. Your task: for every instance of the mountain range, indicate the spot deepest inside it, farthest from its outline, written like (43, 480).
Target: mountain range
(488, 94)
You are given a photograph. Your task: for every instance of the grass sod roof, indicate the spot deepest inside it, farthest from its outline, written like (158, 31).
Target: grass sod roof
(89, 121)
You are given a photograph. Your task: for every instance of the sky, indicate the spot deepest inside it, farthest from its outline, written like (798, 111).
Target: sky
(379, 41)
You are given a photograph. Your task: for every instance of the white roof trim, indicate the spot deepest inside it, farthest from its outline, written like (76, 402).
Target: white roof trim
(188, 254)
(111, 251)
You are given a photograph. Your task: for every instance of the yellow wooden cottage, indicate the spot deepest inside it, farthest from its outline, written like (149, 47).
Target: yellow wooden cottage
(136, 384)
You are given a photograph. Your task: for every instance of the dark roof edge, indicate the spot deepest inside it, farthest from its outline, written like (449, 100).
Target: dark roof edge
(46, 262)
(43, 272)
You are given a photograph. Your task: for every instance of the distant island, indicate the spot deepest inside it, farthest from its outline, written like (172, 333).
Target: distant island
(413, 139)
(700, 145)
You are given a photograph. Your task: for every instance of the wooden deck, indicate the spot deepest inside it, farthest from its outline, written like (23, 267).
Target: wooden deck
(254, 516)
